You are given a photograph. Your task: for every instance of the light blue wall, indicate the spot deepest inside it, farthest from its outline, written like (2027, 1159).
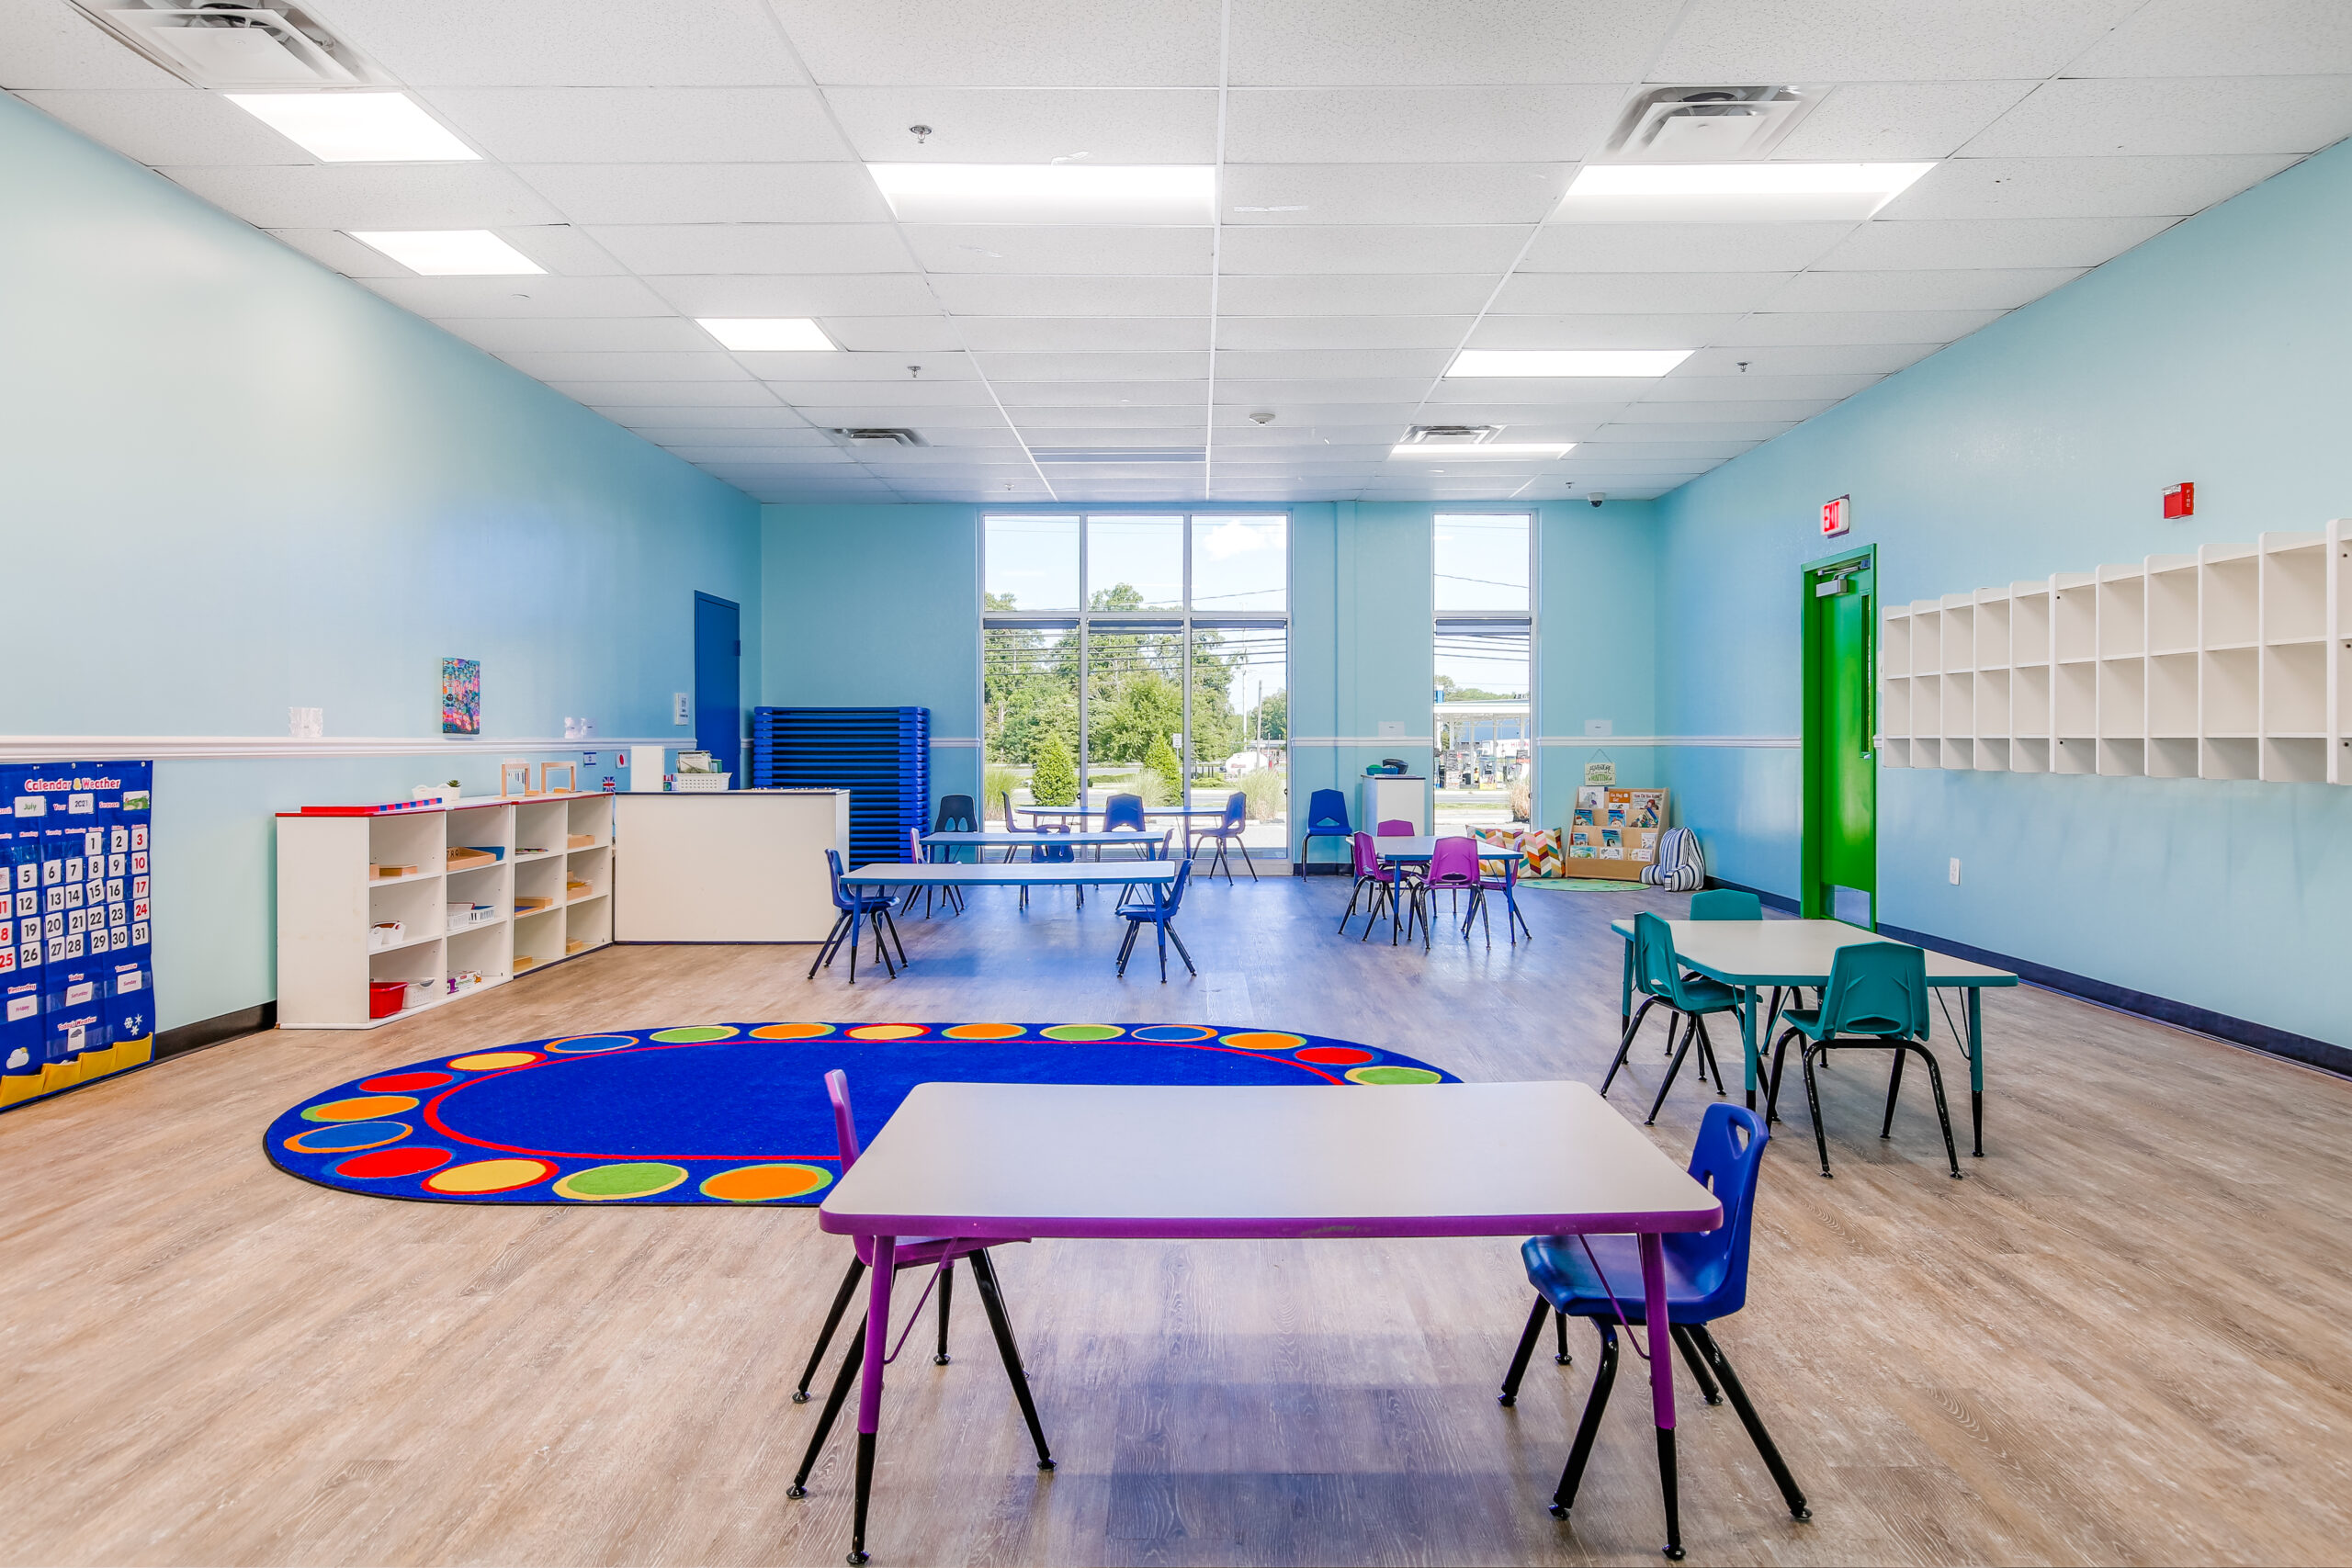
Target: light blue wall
(237, 482)
(2216, 352)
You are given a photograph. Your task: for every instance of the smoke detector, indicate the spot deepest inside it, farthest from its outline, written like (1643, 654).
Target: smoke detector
(1450, 434)
(877, 435)
(212, 43)
(1708, 124)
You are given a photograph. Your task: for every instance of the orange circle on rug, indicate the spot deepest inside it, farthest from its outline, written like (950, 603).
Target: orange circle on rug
(889, 1032)
(791, 1030)
(1264, 1040)
(764, 1183)
(362, 1108)
(487, 1176)
(485, 1061)
(985, 1032)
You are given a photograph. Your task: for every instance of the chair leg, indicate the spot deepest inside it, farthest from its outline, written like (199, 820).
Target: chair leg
(1590, 1427)
(881, 951)
(1943, 1115)
(825, 949)
(1754, 1423)
(833, 1320)
(1680, 1335)
(1169, 927)
(1707, 1058)
(1159, 929)
(992, 1299)
(1354, 894)
(1812, 1104)
(1561, 1358)
(1772, 1088)
(850, 1367)
(1250, 864)
(1128, 945)
(1626, 1044)
(1519, 1357)
(893, 925)
(1689, 1032)
(1893, 1088)
(947, 1289)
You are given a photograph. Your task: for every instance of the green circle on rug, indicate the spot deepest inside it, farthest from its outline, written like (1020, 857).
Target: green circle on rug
(1392, 1075)
(1082, 1031)
(639, 1178)
(693, 1034)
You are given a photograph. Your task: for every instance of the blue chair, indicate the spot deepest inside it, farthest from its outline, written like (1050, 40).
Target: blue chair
(1658, 976)
(1163, 917)
(1876, 998)
(1327, 817)
(1600, 1278)
(957, 814)
(853, 908)
(1228, 831)
(1122, 811)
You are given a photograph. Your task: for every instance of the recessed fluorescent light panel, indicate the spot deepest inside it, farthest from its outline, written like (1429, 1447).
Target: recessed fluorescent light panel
(761, 335)
(1525, 451)
(1621, 193)
(449, 253)
(356, 127)
(1565, 362)
(1049, 193)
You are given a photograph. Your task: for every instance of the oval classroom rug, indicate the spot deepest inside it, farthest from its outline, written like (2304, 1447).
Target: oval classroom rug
(732, 1113)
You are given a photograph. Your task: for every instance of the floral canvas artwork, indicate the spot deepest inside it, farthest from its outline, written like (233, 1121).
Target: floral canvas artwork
(461, 696)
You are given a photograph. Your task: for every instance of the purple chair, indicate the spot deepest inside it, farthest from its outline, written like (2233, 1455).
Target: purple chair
(1453, 863)
(941, 1252)
(1396, 827)
(1372, 878)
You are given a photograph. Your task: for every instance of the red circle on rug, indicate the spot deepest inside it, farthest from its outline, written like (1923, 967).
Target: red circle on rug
(1336, 1055)
(401, 1083)
(385, 1162)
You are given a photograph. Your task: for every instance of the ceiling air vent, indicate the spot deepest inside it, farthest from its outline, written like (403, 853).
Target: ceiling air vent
(234, 47)
(1450, 434)
(1708, 125)
(878, 435)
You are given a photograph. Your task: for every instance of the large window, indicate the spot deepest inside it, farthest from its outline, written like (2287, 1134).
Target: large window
(1138, 654)
(1482, 686)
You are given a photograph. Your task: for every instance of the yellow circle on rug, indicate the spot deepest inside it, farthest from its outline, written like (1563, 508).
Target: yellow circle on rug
(890, 1031)
(764, 1183)
(1264, 1040)
(365, 1108)
(791, 1030)
(1082, 1031)
(488, 1175)
(636, 1179)
(985, 1032)
(484, 1061)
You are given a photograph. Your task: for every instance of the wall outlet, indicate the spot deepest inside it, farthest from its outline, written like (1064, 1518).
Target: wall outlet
(679, 712)
(1955, 872)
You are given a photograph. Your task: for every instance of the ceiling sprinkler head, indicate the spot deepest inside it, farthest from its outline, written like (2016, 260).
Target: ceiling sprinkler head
(922, 133)
(1263, 416)
(1743, 367)
(914, 372)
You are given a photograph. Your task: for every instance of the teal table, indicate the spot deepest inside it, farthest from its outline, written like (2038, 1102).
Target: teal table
(1749, 955)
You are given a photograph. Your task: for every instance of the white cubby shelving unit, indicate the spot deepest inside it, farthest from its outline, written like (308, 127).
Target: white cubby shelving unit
(2235, 662)
(557, 848)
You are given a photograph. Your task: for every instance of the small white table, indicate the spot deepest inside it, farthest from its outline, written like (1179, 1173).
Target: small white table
(1402, 849)
(1008, 1161)
(1098, 840)
(1156, 875)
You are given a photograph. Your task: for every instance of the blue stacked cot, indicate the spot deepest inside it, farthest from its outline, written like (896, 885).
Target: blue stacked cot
(882, 756)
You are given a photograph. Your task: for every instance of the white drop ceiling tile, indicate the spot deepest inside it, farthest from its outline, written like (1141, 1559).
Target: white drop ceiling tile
(1284, 195)
(176, 125)
(2246, 38)
(333, 248)
(1084, 334)
(708, 193)
(561, 248)
(731, 249)
(1329, 364)
(903, 396)
(1002, 369)
(823, 295)
(1120, 437)
(680, 437)
(1418, 125)
(1358, 444)
(1006, 43)
(1682, 247)
(1747, 429)
(1532, 391)
(1757, 388)
(1363, 294)
(746, 458)
(1342, 331)
(583, 335)
(979, 294)
(1587, 293)
(1083, 250)
(623, 43)
(673, 394)
(713, 366)
(1882, 40)
(1670, 413)
(1981, 288)
(1318, 391)
(1486, 250)
(1658, 454)
(933, 333)
(924, 420)
(998, 438)
(655, 423)
(443, 299)
(1826, 328)
(814, 366)
(2169, 118)
(1400, 42)
(370, 196)
(2116, 187)
(1394, 415)
(1075, 418)
(1522, 419)
(641, 125)
(1843, 359)
(47, 43)
(1188, 396)
(1898, 121)
(1989, 242)
(1509, 329)
(1030, 125)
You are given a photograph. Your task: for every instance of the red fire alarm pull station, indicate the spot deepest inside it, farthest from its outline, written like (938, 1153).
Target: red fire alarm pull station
(2180, 501)
(1834, 517)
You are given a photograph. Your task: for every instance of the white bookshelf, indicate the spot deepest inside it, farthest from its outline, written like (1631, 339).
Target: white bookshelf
(330, 898)
(2235, 662)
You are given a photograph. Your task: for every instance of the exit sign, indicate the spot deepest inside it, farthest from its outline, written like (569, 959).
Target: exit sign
(1835, 517)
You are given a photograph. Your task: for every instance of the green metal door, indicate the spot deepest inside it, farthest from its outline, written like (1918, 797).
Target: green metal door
(1840, 709)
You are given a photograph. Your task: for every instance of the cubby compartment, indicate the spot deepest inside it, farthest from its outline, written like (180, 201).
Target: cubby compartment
(1894, 642)
(1991, 756)
(2230, 694)
(2123, 699)
(485, 891)
(2028, 624)
(2297, 760)
(2122, 612)
(589, 818)
(2294, 588)
(588, 926)
(420, 965)
(2294, 689)
(2172, 697)
(1960, 706)
(2029, 756)
(1927, 638)
(1926, 709)
(1959, 754)
(403, 849)
(538, 939)
(1992, 706)
(2029, 701)
(540, 829)
(2230, 758)
(2074, 699)
(1960, 632)
(1894, 705)
(483, 951)
(2343, 651)
(2229, 609)
(2074, 617)
(2172, 604)
(587, 874)
(1992, 630)
(2122, 759)
(414, 903)
(2172, 758)
(1893, 753)
(2075, 754)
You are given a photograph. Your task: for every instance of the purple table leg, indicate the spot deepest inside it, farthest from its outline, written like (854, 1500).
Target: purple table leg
(869, 1385)
(1659, 1333)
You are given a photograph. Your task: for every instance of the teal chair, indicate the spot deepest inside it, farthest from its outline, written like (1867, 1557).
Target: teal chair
(1725, 904)
(1658, 976)
(1877, 998)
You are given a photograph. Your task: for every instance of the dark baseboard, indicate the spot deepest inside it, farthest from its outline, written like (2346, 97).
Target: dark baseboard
(214, 1031)
(1319, 868)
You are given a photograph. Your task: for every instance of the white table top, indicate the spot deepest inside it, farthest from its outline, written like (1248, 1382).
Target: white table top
(1420, 846)
(998, 1159)
(998, 836)
(1098, 811)
(1018, 874)
(1794, 953)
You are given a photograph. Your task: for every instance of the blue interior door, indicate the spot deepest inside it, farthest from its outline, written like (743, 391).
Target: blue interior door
(718, 681)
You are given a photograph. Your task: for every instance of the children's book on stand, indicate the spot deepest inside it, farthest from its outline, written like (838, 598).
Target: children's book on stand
(1614, 832)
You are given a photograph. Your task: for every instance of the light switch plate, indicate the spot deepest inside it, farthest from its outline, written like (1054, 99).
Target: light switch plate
(678, 709)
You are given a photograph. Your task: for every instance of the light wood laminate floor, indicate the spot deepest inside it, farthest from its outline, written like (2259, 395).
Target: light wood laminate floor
(2124, 1338)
